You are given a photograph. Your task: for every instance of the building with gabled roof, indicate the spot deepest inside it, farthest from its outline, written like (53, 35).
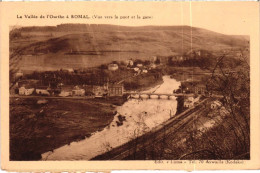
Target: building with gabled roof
(66, 90)
(115, 90)
(26, 90)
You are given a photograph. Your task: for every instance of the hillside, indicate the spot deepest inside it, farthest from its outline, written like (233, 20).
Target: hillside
(90, 45)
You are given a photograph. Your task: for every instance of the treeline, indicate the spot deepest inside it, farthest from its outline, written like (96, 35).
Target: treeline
(54, 78)
(144, 80)
(205, 62)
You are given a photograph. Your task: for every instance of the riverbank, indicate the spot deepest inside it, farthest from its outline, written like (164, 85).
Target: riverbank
(38, 128)
(134, 118)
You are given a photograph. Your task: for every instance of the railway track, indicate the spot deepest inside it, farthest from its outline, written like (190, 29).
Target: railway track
(155, 135)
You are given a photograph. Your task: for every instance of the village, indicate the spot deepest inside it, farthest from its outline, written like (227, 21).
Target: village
(106, 81)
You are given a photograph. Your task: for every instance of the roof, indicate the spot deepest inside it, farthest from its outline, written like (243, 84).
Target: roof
(27, 82)
(97, 86)
(115, 85)
(27, 86)
(42, 87)
(113, 65)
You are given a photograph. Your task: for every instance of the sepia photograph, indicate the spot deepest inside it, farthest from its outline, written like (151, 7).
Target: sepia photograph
(110, 92)
(129, 86)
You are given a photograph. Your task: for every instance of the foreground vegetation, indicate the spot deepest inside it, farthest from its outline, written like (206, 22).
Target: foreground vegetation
(216, 133)
(38, 128)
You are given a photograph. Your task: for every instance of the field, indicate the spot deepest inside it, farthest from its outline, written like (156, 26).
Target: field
(35, 129)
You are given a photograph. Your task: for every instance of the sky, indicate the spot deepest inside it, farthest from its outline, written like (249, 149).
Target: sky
(233, 18)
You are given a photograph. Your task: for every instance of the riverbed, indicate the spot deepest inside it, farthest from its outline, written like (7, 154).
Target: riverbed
(134, 118)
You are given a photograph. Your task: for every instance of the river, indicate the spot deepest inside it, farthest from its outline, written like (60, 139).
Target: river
(134, 118)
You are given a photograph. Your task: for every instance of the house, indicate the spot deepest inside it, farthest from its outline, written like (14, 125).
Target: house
(198, 53)
(136, 69)
(32, 83)
(153, 66)
(161, 60)
(70, 70)
(139, 65)
(112, 67)
(99, 91)
(115, 90)
(216, 105)
(18, 75)
(43, 90)
(177, 58)
(66, 90)
(77, 91)
(188, 103)
(145, 71)
(26, 90)
(129, 62)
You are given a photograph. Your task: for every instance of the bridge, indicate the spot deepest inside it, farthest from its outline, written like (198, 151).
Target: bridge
(142, 95)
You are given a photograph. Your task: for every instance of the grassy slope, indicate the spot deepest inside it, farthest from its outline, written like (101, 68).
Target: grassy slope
(61, 122)
(140, 42)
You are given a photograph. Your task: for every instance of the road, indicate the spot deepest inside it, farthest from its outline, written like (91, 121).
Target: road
(90, 97)
(156, 135)
(50, 97)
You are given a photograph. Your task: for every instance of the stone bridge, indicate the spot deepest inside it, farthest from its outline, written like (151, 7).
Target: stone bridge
(140, 95)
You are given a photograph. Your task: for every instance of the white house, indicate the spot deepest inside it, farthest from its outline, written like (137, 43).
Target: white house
(70, 70)
(112, 67)
(18, 74)
(139, 65)
(153, 66)
(77, 91)
(129, 62)
(136, 69)
(43, 90)
(65, 93)
(25, 91)
(145, 71)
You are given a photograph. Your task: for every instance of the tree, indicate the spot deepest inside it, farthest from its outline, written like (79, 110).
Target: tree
(234, 86)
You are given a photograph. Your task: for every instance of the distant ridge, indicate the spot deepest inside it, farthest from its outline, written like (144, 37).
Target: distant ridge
(105, 27)
(114, 42)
